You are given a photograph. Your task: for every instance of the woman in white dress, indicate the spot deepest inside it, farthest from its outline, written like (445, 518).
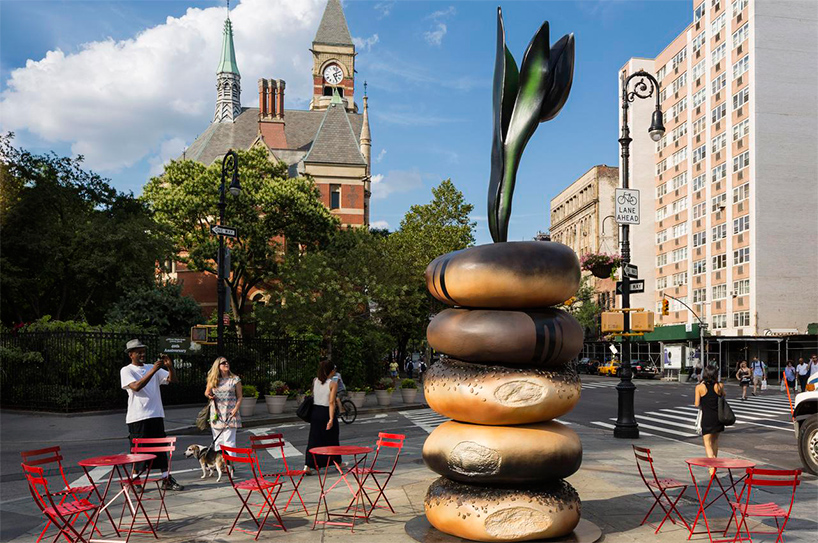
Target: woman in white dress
(224, 390)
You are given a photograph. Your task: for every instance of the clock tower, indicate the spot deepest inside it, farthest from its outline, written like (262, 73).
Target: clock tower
(333, 56)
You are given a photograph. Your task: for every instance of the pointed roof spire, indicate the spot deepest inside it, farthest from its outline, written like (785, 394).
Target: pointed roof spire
(366, 135)
(228, 61)
(333, 29)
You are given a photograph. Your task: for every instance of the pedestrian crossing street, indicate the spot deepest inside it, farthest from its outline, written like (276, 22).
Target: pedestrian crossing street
(767, 412)
(428, 420)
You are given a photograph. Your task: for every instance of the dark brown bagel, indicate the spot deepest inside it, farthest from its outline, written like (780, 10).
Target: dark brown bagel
(499, 395)
(519, 274)
(529, 454)
(482, 513)
(545, 337)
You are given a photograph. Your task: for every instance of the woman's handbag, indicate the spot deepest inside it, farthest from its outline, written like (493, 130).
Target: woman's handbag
(304, 411)
(202, 418)
(726, 415)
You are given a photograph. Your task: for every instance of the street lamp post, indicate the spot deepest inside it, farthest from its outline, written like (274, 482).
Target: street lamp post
(230, 167)
(644, 86)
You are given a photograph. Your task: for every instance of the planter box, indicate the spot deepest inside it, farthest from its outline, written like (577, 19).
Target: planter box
(248, 406)
(384, 397)
(275, 403)
(602, 271)
(408, 394)
(358, 398)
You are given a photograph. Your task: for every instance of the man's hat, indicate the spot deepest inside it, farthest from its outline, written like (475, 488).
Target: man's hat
(134, 344)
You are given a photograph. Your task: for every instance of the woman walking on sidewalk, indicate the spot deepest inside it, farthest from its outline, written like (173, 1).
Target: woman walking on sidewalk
(743, 375)
(224, 390)
(789, 374)
(323, 421)
(707, 400)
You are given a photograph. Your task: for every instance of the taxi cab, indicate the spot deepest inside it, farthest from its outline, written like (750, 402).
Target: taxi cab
(610, 368)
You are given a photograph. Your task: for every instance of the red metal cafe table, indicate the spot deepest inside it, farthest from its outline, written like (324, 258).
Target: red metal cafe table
(359, 455)
(121, 468)
(716, 464)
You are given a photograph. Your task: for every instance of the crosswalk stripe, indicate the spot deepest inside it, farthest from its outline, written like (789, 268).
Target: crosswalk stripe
(664, 421)
(665, 430)
(289, 450)
(693, 411)
(758, 410)
(611, 427)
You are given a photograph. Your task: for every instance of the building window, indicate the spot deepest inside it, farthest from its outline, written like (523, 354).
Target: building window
(679, 83)
(718, 143)
(678, 305)
(742, 161)
(741, 129)
(719, 232)
(741, 193)
(335, 196)
(699, 97)
(699, 210)
(740, 35)
(661, 190)
(699, 153)
(699, 124)
(680, 230)
(679, 156)
(718, 112)
(678, 107)
(718, 53)
(661, 73)
(699, 295)
(719, 322)
(718, 202)
(738, 6)
(661, 237)
(678, 132)
(680, 254)
(719, 292)
(741, 66)
(661, 260)
(741, 256)
(699, 69)
(679, 279)
(741, 288)
(699, 266)
(741, 97)
(679, 205)
(719, 263)
(718, 172)
(742, 224)
(662, 143)
(678, 58)
(699, 238)
(679, 181)
(661, 213)
(663, 93)
(718, 23)
(661, 167)
(719, 83)
(699, 181)
(698, 13)
(741, 318)
(661, 283)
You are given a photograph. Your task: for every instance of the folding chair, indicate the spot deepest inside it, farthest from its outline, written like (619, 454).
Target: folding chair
(51, 455)
(257, 484)
(662, 486)
(763, 477)
(62, 514)
(152, 445)
(270, 441)
(393, 441)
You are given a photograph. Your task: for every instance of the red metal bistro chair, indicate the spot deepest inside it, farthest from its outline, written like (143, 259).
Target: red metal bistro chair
(153, 445)
(295, 476)
(256, 484)
(51, 455)
(63, 514)
(391, 441)
(764, 477)
(659, 487)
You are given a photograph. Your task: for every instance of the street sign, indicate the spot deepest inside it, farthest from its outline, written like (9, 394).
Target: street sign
(627, 206)
(175, 345)
(228, 231)
(635, 286)
(630, 270)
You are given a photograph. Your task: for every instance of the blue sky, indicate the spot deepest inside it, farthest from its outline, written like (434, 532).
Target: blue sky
(130, 84)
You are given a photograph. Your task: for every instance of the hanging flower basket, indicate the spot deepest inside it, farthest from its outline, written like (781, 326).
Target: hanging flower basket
(601, 265)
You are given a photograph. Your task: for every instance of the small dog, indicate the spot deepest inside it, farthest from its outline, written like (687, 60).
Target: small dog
(209, 459)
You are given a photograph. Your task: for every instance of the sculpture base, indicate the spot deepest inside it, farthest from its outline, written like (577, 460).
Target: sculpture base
(420, 530)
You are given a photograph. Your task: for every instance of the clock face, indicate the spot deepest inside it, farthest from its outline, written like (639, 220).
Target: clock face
(333, 74)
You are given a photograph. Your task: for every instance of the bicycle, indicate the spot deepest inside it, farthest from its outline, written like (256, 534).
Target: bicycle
(348, 412)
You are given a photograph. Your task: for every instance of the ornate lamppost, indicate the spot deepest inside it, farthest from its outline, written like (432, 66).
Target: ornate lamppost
(230, 167)
(644, 86)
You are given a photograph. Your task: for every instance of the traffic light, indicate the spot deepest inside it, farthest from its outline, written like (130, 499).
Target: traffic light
(665, 306)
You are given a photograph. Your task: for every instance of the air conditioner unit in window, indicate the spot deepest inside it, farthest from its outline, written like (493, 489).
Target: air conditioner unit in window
(738, 51)
(740, 17)
(740, 143)
(740, 79)
(740, 238)
(740, 270)
(741, 175)
(741, 206)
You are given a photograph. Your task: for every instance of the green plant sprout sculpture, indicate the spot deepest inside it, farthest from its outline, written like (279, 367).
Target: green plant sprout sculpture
(522, 99)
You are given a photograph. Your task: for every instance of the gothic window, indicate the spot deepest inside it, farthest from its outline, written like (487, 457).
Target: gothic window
(335, 196)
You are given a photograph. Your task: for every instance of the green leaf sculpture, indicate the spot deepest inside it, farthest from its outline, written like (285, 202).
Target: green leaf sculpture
(521, 100)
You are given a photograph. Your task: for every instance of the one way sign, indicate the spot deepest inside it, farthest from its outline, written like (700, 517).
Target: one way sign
(228, 231)
(635, 287)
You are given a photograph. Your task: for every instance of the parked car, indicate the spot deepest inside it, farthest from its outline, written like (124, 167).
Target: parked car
(644, 368)
(586, 365)
(805, 423)
(611, 369)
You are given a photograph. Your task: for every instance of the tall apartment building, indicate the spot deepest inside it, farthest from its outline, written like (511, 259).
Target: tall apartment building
(733, 225)
(578, 219)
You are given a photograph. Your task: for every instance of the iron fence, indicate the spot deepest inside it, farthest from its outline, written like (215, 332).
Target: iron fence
(79, 371)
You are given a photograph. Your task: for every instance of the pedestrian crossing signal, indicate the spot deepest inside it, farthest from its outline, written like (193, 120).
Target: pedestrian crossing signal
(665, 306)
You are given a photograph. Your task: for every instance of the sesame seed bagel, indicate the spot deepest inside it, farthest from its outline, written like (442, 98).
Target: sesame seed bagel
(499, 395)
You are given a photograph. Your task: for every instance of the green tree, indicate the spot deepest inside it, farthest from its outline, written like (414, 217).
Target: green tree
(270, 209)
(161, 309)
(583, 306)
(70, 244)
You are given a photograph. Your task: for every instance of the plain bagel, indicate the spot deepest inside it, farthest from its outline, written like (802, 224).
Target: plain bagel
(497, 514)
(518, 274)
(543, 337)
(499, 395)
(529, 454)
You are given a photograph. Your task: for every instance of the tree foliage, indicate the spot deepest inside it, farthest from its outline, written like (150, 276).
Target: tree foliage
(271, 207)
(161, 309)
(70, 244)
(584, 307)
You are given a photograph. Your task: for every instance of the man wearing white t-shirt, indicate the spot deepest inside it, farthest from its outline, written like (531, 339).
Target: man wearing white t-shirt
(146, 416)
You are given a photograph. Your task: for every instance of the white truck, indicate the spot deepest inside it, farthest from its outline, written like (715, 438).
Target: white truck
(805, 422)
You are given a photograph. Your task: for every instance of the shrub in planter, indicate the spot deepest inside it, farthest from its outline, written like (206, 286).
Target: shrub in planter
(600, 265)
(277, 397)
(383, 391)
(248, 403)
(358, 396)
(408, 390)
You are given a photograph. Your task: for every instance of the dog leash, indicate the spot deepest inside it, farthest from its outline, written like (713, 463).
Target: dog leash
(213, 443)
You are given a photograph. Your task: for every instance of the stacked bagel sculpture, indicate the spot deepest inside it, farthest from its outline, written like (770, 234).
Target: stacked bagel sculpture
(503, 458)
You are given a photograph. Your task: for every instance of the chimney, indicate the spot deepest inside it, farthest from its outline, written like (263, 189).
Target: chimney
(271, 97)
(262, 98)
(280, 97)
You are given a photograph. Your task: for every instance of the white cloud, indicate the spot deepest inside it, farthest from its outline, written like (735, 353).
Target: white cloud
(169, 149)
(117, 102)
(379, 225)
(442, 14)
(365, 44)
(383, 8)
(435, 37)
(380, 156)
(395, 182)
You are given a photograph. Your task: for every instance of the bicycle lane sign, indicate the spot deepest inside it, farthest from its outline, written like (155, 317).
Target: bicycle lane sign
(627, 206)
